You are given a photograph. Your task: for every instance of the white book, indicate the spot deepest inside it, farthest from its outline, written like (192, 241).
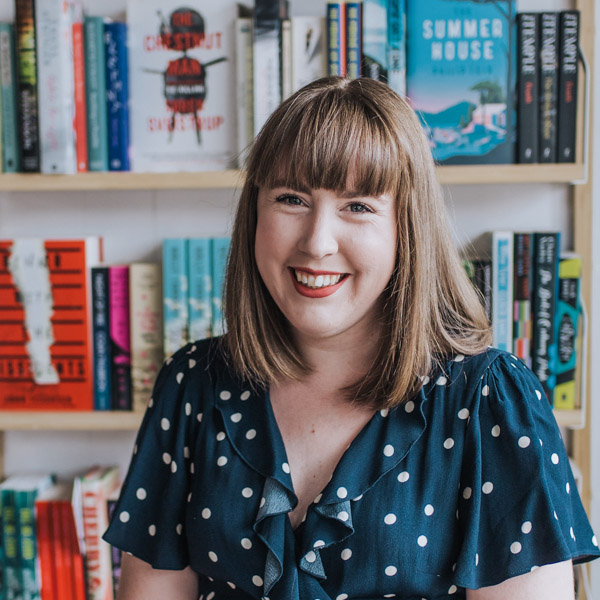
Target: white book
(267, 76)
(182, 80)
(308, 50)
(286, 59)
(244, 95)
(54, 39)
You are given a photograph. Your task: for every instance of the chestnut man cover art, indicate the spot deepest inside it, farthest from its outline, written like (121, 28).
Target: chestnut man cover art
(182, 85)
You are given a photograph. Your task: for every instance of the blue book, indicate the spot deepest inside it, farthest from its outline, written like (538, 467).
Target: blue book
(200, 283)
(101, 338)
(336, 38)
(396, 45)
(95, 93)
(460, 77)
(502, 289)
(8, 90)
(219, 253)
(353, 39)
(175, 294)
(117, 95)
(374, 39)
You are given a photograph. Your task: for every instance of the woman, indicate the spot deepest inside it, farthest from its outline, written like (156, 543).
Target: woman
(353, 435)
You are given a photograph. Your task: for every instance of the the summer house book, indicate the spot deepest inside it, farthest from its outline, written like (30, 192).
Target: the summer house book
(460, 77)
(182, 84)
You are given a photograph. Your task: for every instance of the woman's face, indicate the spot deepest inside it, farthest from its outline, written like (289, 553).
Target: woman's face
(326, 257)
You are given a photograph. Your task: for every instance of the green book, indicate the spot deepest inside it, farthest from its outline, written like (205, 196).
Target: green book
(8, 100)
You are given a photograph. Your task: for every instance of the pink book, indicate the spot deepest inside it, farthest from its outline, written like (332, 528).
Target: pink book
(120, 339)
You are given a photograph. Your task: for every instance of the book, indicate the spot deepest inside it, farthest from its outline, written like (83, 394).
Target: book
(528, 88)
(568, 66)
(467, 49)
(74, 557)
(80, 123)
(101, 338)
(27, 85)
(546, 252)
(46, 551)
(244, 85)
(175, 294)
(286, 58)
(54, 31)
(374, 39)
(45, 330)
(219, 254)
(567, 325)
(200, 283)
(308, 50)
(8, 91)
(117, 95)
(64, 581)
(182, 74)
(95, 93)
(502, 289)
(145, 310)
(353, 39)
(266, 56)
(336, 38)
(483, 278)
(93, 490)
(396, 45)
(116, 554)
(12, 586)
(548, 86)
(522, 295)
(120, 337)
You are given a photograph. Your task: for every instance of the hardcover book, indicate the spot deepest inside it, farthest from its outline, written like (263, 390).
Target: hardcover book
(353, 39)
(101, 338)
(336, 38)
(396, 45)
(527, 85)
(45, 331)
(467, 49)
(8, 91)
(548, 86)
(182, 75)
(374, 39)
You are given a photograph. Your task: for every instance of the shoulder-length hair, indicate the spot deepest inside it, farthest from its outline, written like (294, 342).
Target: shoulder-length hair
(329, 133)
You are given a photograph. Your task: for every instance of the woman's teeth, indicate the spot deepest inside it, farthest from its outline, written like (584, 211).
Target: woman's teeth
(319, 281)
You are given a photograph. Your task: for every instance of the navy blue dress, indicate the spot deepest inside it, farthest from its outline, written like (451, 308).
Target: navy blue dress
(464, 486)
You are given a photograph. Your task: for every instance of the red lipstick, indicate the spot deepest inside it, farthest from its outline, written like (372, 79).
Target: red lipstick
(316, 292)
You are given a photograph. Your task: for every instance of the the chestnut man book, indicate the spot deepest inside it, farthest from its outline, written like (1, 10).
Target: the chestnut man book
(45, 329)
(548, 87)
(465, 48)
(182, 84)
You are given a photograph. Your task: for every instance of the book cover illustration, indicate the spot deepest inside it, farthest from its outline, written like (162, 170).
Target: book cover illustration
(467, 49)
(182, 82)
(45, 334)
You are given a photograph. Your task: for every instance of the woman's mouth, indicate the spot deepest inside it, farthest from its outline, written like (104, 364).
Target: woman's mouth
(316, 284)
(317, 281)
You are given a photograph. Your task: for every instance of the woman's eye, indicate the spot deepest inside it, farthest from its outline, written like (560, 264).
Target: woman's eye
(289, 199)
(359, 207)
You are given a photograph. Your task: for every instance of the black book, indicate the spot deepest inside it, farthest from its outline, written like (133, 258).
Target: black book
(567, 84)
(528, 88)
(548, 86)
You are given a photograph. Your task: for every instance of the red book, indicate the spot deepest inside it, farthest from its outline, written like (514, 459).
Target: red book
(80, 122)
(61, 554)
(46, 554)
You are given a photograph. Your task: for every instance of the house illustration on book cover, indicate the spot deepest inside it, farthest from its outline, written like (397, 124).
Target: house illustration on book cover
(461, 77)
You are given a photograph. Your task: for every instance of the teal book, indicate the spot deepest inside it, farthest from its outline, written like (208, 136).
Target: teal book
(219, 252)
(8, 91)
(12, 587)
(353, 39)
(95, 91)
(200, 283)
(467, 50)
(374, 39)
(175, 294)
(396, 45)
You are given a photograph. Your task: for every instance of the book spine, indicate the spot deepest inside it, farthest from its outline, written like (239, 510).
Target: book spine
(8, 90)
(309, 50)
(120, 341)
(353, 39)
(200, 298)
(546, 252)
(528, 88)
(244, 78)
(116, 554)
(116, 96)
(219, 253)
(567, 85)
(13, 587)
(46, 551)
(375, 26)
(145, 291)
(522, 278)
(95, 93)
(76, 558)
(80, 123)
(336, 38)
(483, 278)
(25, 500)
(567, 329)
(396, 32)
(548, 86)
(101, 338)
(502, 289)
(27, 86)
(62, 573)
(55, 66)
(175, 295)
(286, 58)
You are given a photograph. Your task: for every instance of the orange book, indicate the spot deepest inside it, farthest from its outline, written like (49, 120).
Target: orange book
(45, 328)
(61, 554)
(75, 558)
(80, 122)
(45, 551)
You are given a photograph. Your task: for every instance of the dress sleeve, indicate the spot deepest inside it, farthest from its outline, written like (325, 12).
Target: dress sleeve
(149, 519)
(519, 506)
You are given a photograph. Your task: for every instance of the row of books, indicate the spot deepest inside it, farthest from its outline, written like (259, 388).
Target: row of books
(51, 536)
(548, 69)
(532, 296)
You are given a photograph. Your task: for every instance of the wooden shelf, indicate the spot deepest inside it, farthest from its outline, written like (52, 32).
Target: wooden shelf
(468, 174)
(70, 421)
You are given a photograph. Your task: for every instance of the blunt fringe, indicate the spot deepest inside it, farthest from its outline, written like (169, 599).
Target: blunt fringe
(331, 134)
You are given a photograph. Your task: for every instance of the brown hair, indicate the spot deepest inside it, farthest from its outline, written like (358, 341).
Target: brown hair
(331, 132)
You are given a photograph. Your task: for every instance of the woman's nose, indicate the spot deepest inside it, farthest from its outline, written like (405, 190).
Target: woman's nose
(319, 237)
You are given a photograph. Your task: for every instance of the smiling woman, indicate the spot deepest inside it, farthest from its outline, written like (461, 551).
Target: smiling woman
(352, 435)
